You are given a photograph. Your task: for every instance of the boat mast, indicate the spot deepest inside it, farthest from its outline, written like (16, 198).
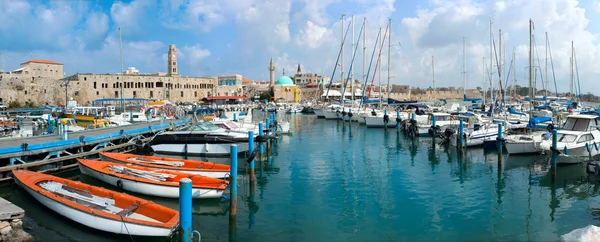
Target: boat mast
(342, 59)
(546, 74)
(530, 68)
(484, 78)
(379, 78)
(352, 64)
(514, 74)
(464, 72)
(491, 63)
(364, 52)
(121, 84)
(433, 73)
(389, 57)
(500, 63)
(571, 76)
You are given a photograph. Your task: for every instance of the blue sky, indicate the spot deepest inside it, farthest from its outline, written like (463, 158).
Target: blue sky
(240, 36)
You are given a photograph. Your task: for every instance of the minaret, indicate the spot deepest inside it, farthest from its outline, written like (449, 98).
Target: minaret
(172, 61)
(299, 70)
(271, 74)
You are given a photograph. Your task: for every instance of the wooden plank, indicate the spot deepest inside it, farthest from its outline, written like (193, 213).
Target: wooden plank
(128, 210)
(9, 211)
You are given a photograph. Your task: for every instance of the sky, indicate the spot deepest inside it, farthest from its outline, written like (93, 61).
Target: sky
(241, 36)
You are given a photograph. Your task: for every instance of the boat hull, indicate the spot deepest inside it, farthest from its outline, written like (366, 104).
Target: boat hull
(96, 222)
(319, 112)
(147, 188)
(208, 173)
(575, 155)
(195, 149)
(377, 122)
(330, 115)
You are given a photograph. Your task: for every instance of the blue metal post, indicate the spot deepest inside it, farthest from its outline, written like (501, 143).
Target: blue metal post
(261, 146)
(233, 181)
(461, 131)
(412, 116)
(554, 153)
(251, 150)
(234, 116)
(185, 210)
(433, 121)
(49, 125)
(499, 138)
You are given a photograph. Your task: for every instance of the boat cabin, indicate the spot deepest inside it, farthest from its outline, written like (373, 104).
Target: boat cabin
(225, 124)
(581, 122)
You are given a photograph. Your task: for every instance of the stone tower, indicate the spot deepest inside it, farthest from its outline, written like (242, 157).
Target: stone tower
(172, 59)
(271, 74)
(299, 70)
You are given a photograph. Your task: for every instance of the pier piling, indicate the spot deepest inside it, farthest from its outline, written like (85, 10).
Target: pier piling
(461, 132)
(385, 119)
(398, 121)
(554, 153)
(234, 116)
(499, 139)
(350, 116)
(185, 210)
(233, 182)
(261, 146)
(251, 150)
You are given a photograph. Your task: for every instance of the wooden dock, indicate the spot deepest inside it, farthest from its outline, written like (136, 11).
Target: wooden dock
(40, 151)
(9, 211)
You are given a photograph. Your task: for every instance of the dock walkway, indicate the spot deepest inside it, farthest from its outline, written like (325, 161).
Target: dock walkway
(48, 149)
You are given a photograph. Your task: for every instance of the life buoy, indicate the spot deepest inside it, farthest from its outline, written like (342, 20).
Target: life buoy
(120, 184)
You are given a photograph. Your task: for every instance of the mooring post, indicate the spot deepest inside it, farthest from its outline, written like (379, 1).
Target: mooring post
(250, 151)
(185, 210)
(49, 130)
(350, 116)
(385, 122)
(433, 121)
(343, 116)
(233, 192)
(261, 146)
(233, 181)
(499, 138)
(234, 116)
(554, 153)
(412, 116)
(589, 150)
(461, 131)
(398, 121)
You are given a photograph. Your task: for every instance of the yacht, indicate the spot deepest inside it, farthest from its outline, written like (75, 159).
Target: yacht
(525, 143)
(578, 135)
(202, 139)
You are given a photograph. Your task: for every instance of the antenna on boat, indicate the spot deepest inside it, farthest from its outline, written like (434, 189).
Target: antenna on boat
(121, 54)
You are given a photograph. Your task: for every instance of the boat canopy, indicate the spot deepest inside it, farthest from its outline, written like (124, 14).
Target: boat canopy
(536, 120)
(512, 111)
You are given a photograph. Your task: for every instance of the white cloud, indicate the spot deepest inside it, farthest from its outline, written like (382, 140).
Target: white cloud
(130, 16)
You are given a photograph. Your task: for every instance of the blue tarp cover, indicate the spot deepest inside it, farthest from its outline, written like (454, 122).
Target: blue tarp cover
(536, 120)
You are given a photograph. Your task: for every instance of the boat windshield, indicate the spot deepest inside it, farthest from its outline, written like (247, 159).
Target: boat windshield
(232, 125)
(204, 126)
(576, 124)
(567, 138)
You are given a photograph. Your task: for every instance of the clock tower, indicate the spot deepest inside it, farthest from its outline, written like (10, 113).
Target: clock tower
(172, 59)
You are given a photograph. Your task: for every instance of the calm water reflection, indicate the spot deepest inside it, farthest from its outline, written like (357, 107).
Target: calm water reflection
(337, 182)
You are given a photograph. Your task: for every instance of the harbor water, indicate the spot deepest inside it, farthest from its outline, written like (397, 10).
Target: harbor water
(331, 181)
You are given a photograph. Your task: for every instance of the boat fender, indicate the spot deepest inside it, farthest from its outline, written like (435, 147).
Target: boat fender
(122, 132)
(430, 132)
(120, 184)
(252, 155)
(500, 139)
(343, 113)
(24, 146)
(550, 127)
(596, 146)
(555, 150)
(386, 118)
(373, 113)
(261, 138)
(82, 139)
(350, 115)
(398, 120)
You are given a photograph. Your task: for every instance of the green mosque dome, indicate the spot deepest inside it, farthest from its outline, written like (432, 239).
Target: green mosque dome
(284, 80)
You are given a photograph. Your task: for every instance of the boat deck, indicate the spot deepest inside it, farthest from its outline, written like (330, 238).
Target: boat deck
(9, 211)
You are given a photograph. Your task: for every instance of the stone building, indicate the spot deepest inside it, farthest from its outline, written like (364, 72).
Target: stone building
(43, 81)
(304, 79)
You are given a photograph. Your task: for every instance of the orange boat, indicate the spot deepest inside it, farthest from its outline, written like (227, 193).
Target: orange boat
(151, 181)
(204, 168)
(97, 207)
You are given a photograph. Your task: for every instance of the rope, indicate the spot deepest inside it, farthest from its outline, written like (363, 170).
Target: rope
(125, 225)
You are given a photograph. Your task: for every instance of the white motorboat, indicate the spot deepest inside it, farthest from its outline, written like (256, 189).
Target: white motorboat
(202, 139)
(576, 140)
(524, 143)
(319, 112)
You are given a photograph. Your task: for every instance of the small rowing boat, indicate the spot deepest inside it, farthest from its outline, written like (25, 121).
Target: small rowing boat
(97, 207)
(203, 168)
(151, 181)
